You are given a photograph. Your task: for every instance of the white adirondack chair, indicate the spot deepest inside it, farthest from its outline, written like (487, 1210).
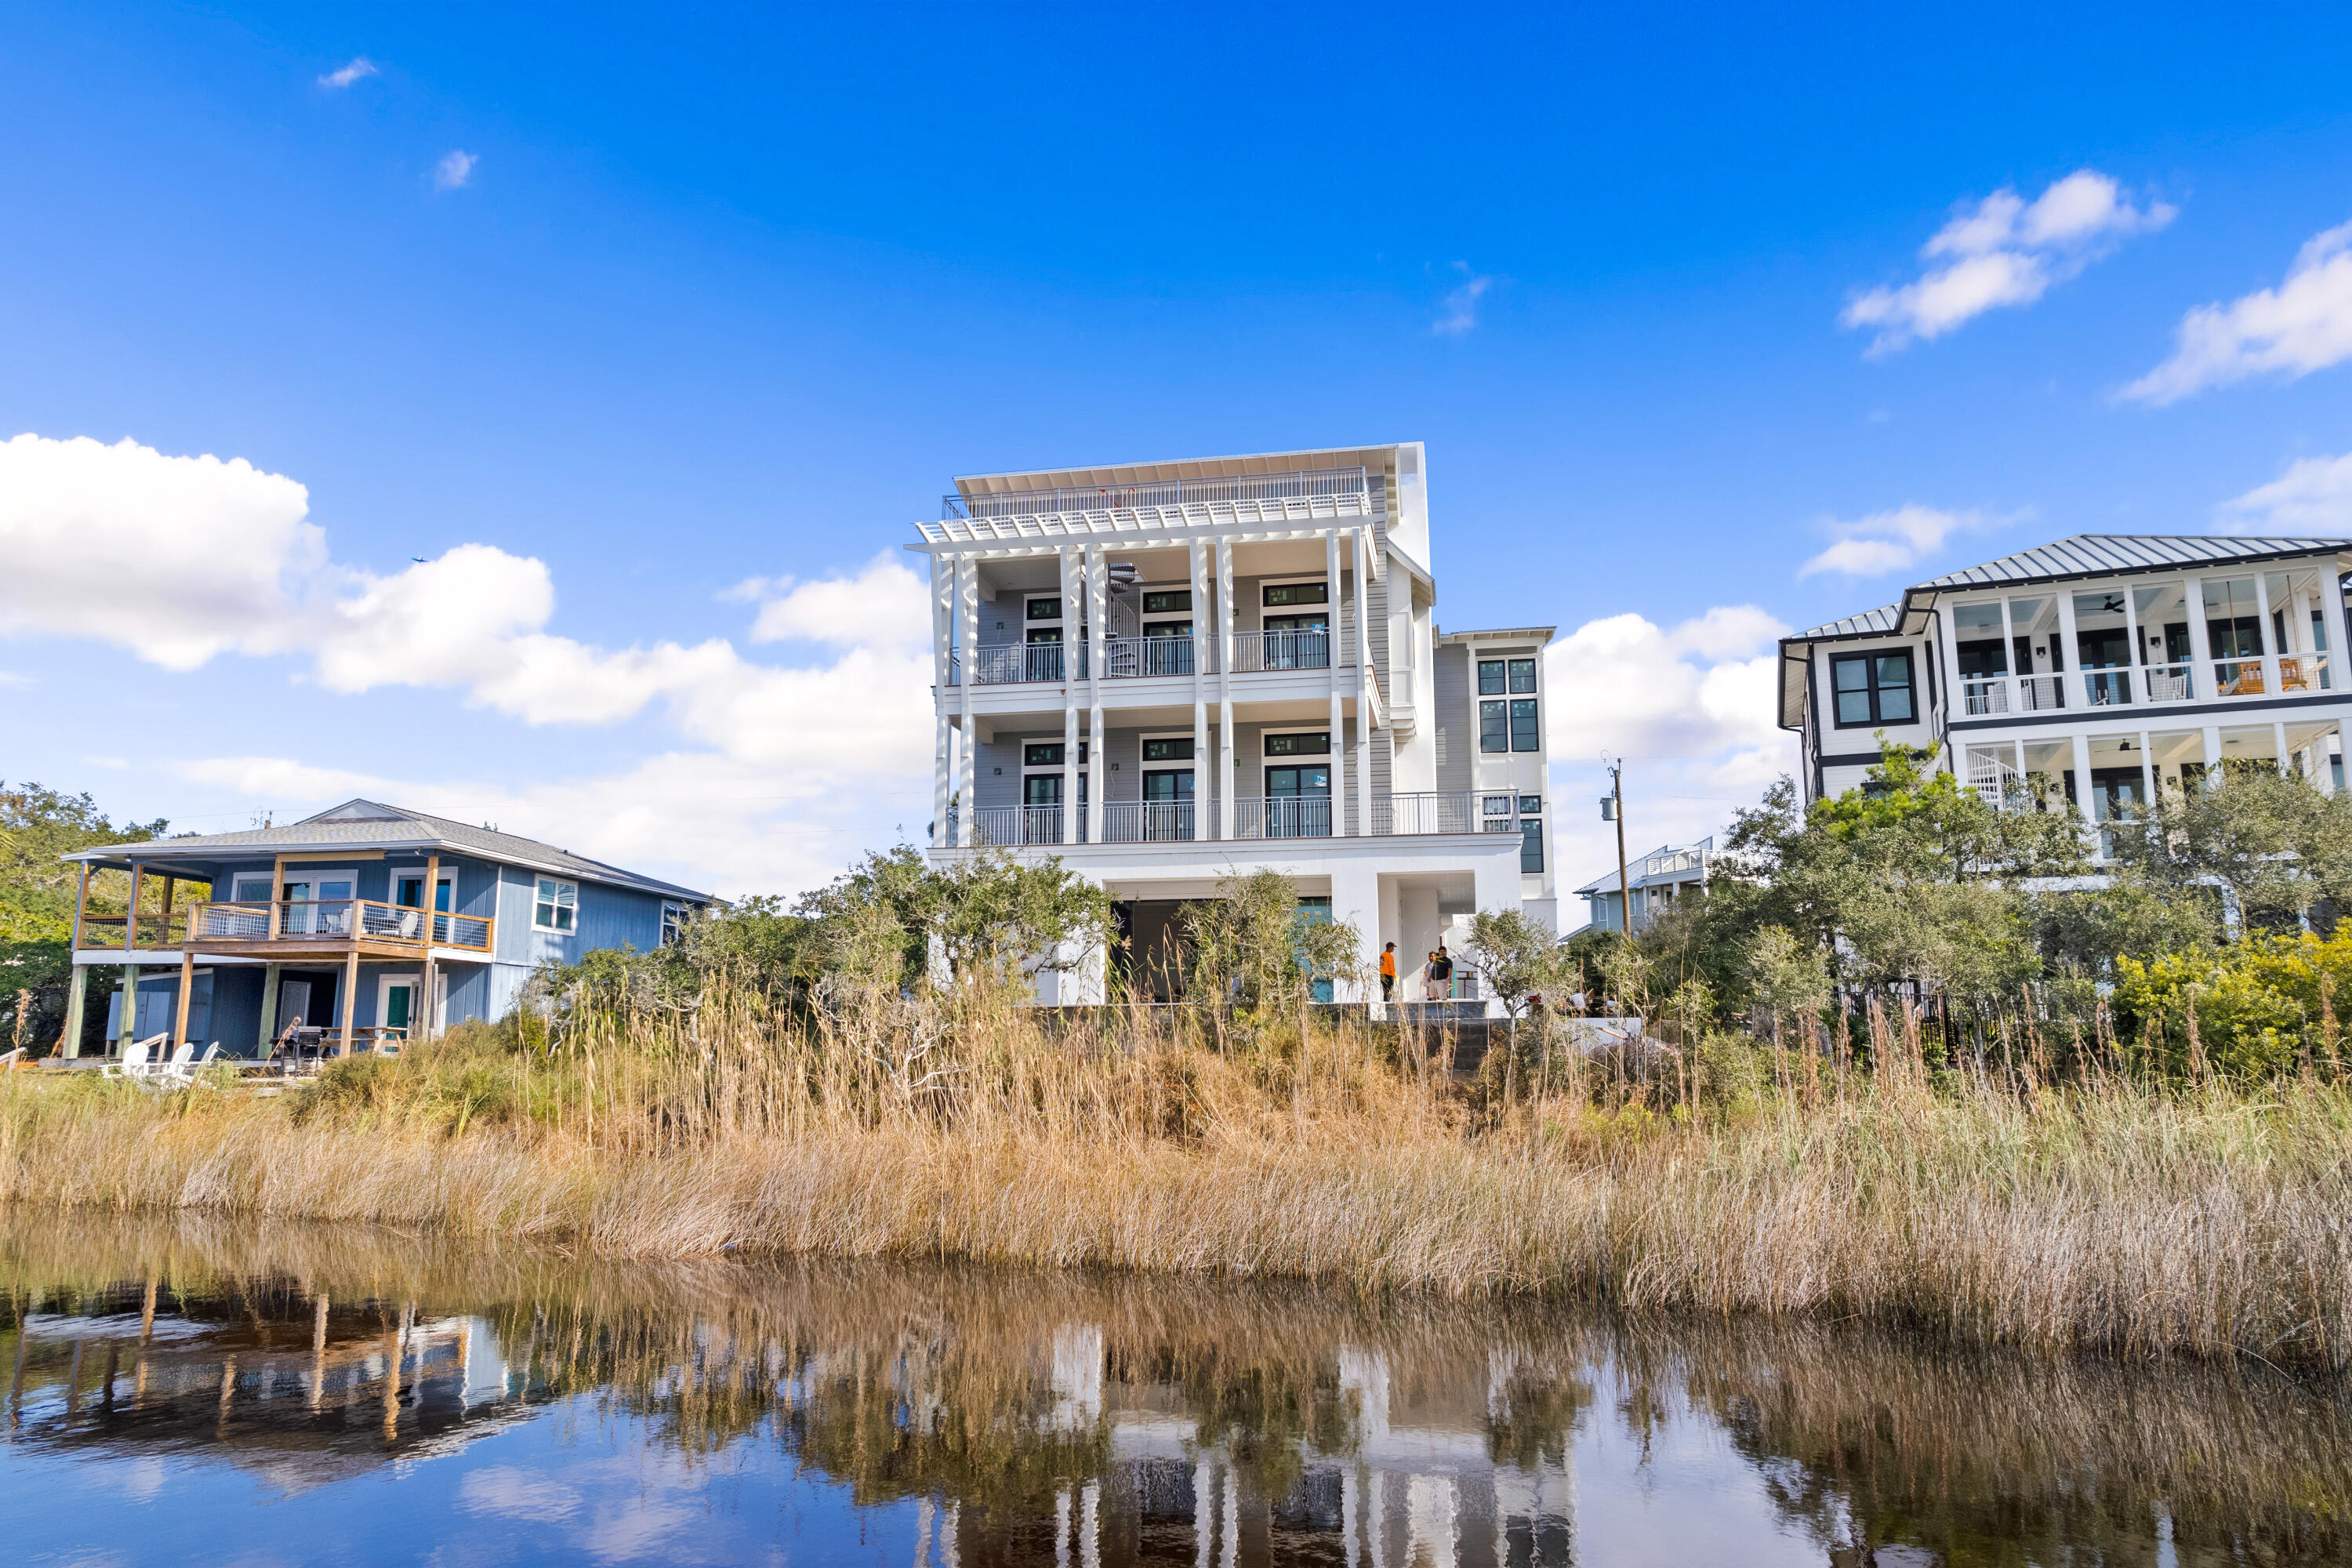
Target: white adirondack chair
(181, 1071)
(134, 1059)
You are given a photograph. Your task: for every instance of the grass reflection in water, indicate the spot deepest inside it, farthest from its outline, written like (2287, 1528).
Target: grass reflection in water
(1027, 1416)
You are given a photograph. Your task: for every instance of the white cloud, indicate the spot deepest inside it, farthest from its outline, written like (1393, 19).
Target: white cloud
(1888, 540)
(2313, 497)
(885, 605)
(361, 66)
(514, 1493)
(2004, 251)
(780, 771)
(2303, 324)
(1690, 708)
(453, 170)
(1461, 302)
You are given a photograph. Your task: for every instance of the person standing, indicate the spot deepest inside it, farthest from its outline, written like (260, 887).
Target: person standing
(1388, 973)
(1441, 974)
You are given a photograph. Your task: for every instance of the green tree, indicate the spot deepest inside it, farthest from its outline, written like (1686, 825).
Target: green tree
(37, 888)
(1253, 946)
(2270, 843)
(1516, 958)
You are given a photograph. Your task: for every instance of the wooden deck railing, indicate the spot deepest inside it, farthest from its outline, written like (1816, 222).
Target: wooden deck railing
(335, 921)
(107, 933)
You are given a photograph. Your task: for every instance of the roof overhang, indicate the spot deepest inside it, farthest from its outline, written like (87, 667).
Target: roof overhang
(1375, 457)
(1041, 534)
(196, 853)
(1919, 602)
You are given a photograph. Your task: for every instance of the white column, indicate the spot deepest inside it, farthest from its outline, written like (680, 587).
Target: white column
(2331, 622)
(2269, 641)
(1201, 660)
(1225, 689)
(1098, 617)
(1072, 612)
(2200, 645)
(2212, 740)
(1204, 1507)
(1366, 685)
(2147, 772)
(2323, 769)
(968, 611)
(1338, 722)
(943, 603)
(2009, 659)
(2077, 695)
(2082, 774)
(1956, 702)
(2278, 743)
(2135, 686)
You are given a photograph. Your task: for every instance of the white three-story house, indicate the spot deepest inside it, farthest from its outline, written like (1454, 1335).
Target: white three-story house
(2106, 666)
(1167, 673)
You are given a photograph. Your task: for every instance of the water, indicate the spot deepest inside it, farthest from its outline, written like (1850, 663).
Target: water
(192, 1393)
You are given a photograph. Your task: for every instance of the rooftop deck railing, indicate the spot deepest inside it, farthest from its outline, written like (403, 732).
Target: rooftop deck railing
(1303, 482)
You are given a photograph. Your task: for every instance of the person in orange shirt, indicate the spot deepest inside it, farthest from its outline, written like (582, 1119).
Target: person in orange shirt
(1388, 973)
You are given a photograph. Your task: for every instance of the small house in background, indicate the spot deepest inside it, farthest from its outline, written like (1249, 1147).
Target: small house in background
(1655, 880)
(326, 922)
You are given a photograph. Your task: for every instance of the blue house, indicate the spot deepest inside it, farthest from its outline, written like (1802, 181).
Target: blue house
(327, 922)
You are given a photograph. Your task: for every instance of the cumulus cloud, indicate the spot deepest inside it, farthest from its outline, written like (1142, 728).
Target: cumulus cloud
(1888, 540)
(2313, 497)
(2003, 251)
(1461, 303)
(1690, 707)
(455, 169)
(361, 66)
(2303, 324)
(180, 560)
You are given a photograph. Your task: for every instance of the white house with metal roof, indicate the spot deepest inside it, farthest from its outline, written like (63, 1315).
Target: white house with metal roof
(1166, 673)
(1652, 881)
(327, 922)
(2106, 665)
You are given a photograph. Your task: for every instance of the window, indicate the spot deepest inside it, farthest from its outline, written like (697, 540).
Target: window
(1273, 595)
(1171, 602)
(1530, 844)
(1530, 805)
(1494, 726)
(1496, 676)
(1490, 677)
(1525, 736)
(1523, 675)
(673, 924)
(1873, 688)
(556, 906)
(1045, 609)
(1312, 743)
(1175, 749)
(1041, 754)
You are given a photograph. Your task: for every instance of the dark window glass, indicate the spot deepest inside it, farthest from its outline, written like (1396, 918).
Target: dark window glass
(1873, 688)
(1523, 675)
(1171, 783)
(1177, 750)
(1041, 754)
(1042, 789)
(1317, 743)
(1168, 628)
(1525, 736)
(1494, 726)
(1046, 635)
(1530, 805)
(1490, 677)
(1045, 609)
(1274, 594)
(1530, 844)
(1168, 603)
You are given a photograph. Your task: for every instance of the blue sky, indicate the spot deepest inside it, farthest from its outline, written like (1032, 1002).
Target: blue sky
(640, 329)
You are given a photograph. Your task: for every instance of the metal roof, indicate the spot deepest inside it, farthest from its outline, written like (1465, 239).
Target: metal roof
(1374, 457)
(1880, 622)
(368, 825)
(2097, 555)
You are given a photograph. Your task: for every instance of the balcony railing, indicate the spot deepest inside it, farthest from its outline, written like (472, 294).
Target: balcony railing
(2167, 682)
(2251, 675)
(335, 921)
(1304, 482)
(115, 934)
(1254, 817)
(1132, 658)
(1254, 651)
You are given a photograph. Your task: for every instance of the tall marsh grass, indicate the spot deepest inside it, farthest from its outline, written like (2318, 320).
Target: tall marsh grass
(1726, 1178)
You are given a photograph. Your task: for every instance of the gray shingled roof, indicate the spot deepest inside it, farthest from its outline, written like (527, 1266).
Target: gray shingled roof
(367, 824)
(1879, 621)
(2094, 554)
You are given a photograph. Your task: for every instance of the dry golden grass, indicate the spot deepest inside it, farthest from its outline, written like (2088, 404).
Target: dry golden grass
(2112, 1217)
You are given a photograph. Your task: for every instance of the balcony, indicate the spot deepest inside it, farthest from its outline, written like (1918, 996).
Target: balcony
(2119, 686)
(1305, 484)
(293, 925)
(120, 934)
(1255, 818)
(1138, 659)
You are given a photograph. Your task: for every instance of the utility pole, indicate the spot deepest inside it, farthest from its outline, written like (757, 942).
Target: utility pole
(1612, 809)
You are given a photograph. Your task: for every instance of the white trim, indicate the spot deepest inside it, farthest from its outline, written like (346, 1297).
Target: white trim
(1271, 730)
(384, 984)
(572, 930)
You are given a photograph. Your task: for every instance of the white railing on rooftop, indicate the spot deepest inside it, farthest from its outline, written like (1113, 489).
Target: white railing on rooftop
(1300, 483)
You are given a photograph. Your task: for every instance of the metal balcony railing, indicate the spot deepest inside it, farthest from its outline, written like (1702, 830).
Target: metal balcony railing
(1254, 817)
(1256, 651)
(1303, 482)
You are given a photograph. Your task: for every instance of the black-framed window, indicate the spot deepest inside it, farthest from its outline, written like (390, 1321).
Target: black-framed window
(1523, 675)
(1047, 753)
(1530, 844)
(1175, 749)
(1273, 595)
(1494, 726)
(1530, 805)
(1309, 743)
(1168, 602)
(1045, 609)
(1527, 735)
(1492, 677)
(1871, 688)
